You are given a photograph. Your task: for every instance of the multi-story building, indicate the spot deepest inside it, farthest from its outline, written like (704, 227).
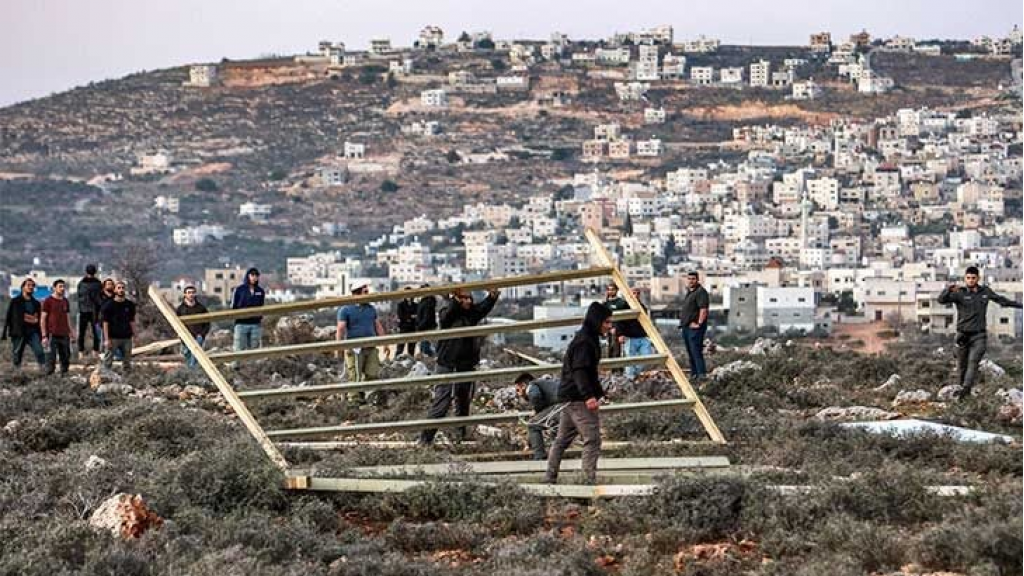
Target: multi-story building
(761, 73)
(784, 310)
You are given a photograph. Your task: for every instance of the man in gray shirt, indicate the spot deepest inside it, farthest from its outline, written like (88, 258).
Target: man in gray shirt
(971, 337)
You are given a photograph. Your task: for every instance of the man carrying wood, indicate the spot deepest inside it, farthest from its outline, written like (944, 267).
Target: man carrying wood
(581, 388)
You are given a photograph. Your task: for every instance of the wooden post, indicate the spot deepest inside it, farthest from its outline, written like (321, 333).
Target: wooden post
(218, 380)
(605, 259)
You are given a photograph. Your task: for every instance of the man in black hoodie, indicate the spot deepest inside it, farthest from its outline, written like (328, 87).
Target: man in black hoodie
(191, 305)
(406, 312)
(426, 320)
(89, 290)
(581, 388)
(457, 355)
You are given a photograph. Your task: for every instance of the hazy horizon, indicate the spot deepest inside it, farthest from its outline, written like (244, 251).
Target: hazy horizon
(104, 39)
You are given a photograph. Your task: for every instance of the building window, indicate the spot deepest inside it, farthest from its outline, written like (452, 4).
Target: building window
(218, 276)
(775, 314)
(742, 298)
(1004, 320)
(801, 299)
(773, 299)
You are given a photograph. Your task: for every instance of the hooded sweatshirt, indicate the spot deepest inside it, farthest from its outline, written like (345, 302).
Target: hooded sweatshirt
(246, 298)
(580, 380)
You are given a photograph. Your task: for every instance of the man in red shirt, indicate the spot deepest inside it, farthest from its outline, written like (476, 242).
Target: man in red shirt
(56, 326)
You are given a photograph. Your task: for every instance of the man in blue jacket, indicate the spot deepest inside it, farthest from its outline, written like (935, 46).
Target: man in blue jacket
(249, 295)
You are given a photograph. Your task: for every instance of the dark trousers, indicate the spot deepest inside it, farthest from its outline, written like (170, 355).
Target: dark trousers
(33, 340)
(461, 392)
(88, 322)
(577, 420)
(411, 346)
(970, 348)
(543, 423)
(694, 340)
(60, 348)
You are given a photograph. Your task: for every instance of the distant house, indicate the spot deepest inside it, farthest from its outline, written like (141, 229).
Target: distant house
(254, 211)
(732, 76)
(354, 151)
(202, 76)
(702, 75)
(760, 73)
(431, 37)
(654, 115)
(436, 98)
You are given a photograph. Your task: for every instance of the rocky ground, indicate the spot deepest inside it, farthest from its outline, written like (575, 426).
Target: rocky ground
(152, 474)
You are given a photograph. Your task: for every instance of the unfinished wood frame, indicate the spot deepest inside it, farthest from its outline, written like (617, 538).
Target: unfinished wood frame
(298, 480)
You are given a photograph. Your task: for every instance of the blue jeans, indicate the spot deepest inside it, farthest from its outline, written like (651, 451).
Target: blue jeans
(190, 360)
(33, 340)
(637, 347)
(694, 340)
(247, 336)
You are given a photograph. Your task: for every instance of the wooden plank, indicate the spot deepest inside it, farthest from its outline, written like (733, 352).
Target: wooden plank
(526, 357)
(545, 490)
(432, 379)
(218, 380)
(659, 343)
(528, 466)
(155, 346)
(415, 425)
(278, 309)
(468, 331)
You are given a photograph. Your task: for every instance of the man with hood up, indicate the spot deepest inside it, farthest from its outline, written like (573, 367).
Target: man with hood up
(248, 295)
(581, 389)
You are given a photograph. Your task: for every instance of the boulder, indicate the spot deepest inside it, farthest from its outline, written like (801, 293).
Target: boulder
(1011, 396)
(12, 426)
(505, 398)
(419, 369)
(1011, 414)
(949, 393)
(324, 332)
(991, 369)
(94, 462)
(102, 376)
(763, 347)
(114, 388)
(734, 368)
(911, 397)
(853, 413)
(125, 516)
(891, 382)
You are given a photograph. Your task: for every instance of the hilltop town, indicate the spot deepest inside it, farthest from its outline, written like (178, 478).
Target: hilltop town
(839, 182)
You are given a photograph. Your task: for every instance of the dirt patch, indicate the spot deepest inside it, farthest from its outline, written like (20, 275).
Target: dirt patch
(756, 110)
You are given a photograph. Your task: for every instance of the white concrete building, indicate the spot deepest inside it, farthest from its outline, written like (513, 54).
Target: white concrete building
(761, 73)
(254, 211)
(436, 98)
(203, 76)
(430, 37)
(650, 147)
(785, 309)
(195, 235)
(654, 115)
(702, 75)
(354, 151)
(731, 76)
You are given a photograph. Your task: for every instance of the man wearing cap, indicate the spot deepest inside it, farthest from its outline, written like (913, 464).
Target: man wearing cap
(360, 321)
(971, 303)
(249, 294)
(693, 322)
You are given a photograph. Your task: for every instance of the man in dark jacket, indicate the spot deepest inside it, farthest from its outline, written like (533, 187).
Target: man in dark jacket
(118, 316)
(542, 394)
(406, 312)
(22, 324)
(426, 320)
(971, 330)
(249, 295)
(581, 388)
(189, 306)
(457, 355)
(89, 290)
(614, 302)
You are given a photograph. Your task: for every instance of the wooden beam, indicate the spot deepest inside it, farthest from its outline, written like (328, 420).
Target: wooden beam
(218, 380)
(546, 490)
(468, 331)
(529, 466)
(278, 309)
(605, 259)
(415, 425)
(432, 379)
(154, 347)
(526, 357)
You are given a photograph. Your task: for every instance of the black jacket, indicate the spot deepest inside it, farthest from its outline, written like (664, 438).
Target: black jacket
(580, 380)
(426, 314)
(631, 328)
(462, 354)
(971, 307)
(14, 323)
(406, 315)
(89, 290)
(201, 329)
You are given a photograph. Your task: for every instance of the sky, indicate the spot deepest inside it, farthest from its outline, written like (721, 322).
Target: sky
(49, 46)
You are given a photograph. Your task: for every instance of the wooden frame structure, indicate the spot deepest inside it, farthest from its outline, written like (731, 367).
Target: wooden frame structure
(611, 468)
